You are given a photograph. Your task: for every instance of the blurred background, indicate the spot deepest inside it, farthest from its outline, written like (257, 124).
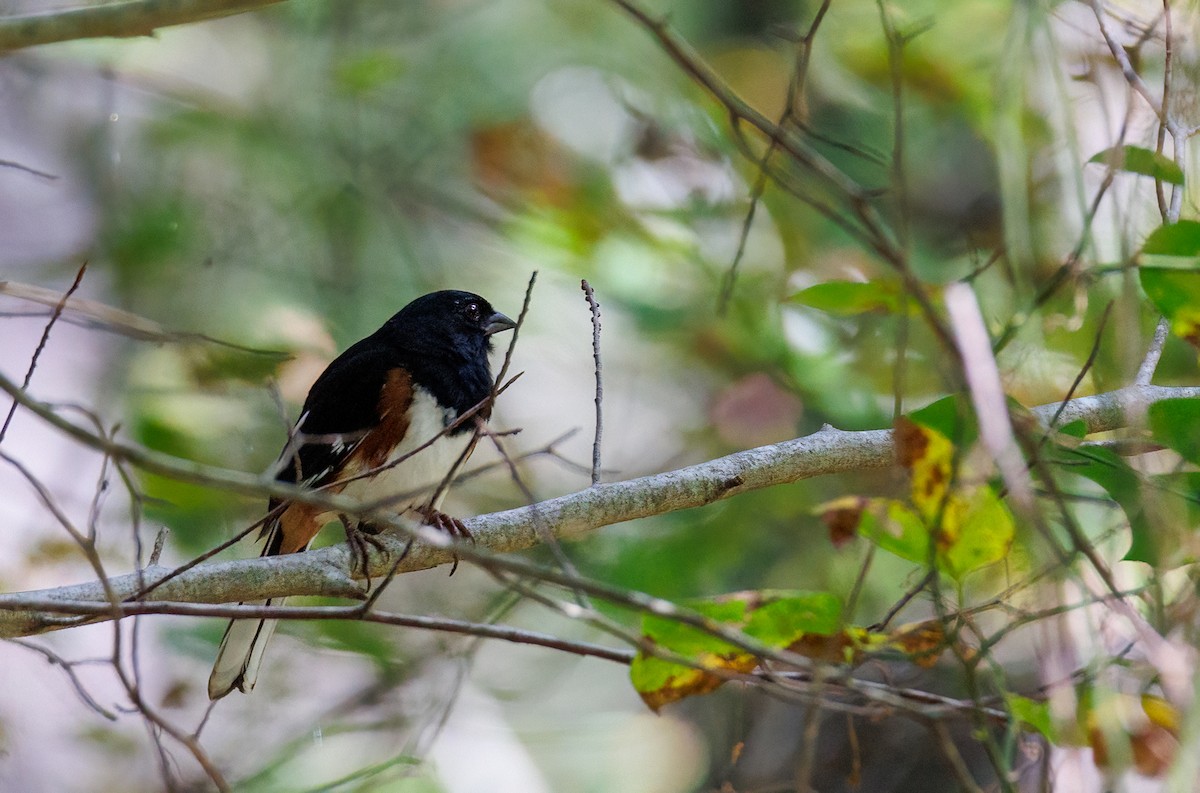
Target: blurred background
(285, 180)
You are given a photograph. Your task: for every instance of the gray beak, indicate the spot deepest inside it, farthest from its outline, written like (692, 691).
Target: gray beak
(496, 323)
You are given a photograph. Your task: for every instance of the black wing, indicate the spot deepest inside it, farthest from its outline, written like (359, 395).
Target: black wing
(341, 408)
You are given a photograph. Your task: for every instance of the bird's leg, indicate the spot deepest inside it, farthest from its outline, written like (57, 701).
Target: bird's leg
(361, 536)
(447, 523)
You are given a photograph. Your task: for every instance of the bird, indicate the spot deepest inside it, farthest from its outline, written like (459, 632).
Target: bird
(378, 425)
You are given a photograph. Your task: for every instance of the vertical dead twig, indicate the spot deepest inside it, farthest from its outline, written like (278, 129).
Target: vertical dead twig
(896, 43)
(58, 310)
(160, 540)
(512, 341)
(795, 86)
(1168, 60)
(590, 294)
(560, 556)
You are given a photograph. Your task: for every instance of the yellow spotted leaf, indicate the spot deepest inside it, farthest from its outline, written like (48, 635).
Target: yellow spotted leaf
(661, 682)
(773, 618)
(929, 457)
(977, 530)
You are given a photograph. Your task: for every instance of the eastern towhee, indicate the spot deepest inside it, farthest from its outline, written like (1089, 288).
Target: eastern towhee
(377, 425)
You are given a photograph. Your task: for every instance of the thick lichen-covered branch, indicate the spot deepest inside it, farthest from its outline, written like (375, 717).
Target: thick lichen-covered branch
(325, 571)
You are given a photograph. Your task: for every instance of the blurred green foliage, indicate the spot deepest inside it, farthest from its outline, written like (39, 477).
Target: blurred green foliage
(331, 161)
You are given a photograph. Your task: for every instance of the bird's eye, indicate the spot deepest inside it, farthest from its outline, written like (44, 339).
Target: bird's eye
(472, 311)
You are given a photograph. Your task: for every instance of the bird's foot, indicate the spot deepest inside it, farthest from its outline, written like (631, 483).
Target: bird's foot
(362, 537)
(445, 523)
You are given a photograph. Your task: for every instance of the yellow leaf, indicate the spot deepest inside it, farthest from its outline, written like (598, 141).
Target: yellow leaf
(1149, 723)
(1185, 323)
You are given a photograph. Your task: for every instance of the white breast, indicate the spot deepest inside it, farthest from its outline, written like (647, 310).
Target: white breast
(417, 477)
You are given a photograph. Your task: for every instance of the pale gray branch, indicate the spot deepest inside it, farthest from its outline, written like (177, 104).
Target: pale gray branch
(121, 20)
(325, 571)
(1145, 372)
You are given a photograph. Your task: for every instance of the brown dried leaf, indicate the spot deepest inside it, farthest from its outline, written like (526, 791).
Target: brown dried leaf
(842, 518)
(923, 641)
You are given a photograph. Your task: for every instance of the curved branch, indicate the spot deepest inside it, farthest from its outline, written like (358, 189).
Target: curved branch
(120, 20)
(325, 571)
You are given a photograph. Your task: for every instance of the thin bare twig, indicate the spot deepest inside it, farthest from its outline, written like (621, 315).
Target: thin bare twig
(550, 449)
(795, 86)
(345, 613)
(160, 539)
(546, 535)
(1161, 137)
(94, 314)
(1065, 271)
(966, 779)
(69, 668)
(58, 309)
(512, 342)
(1167, 124)
(1087, 365)
(1122, 58)
(27, 169)
(157, 722)
(590, 294)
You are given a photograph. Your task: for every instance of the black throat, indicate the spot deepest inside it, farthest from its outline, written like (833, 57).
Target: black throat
(458, 384)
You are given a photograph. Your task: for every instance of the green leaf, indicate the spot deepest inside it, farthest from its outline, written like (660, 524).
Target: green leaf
(1135, 159)
(1170, 273)
(1169, 270)
(367, 72)
(785, 617)
(976, 529)
(1176, 294)
(148, 234)
(684, 639)
(895, 528)
(776, 618)
(213, 366)
(1033, 714)
(1176, 423)
(983, 535)
(851, 298)
(1123, 484)
(1075, 429)
(1162, 510)
(1174, 239)
(952, 416)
